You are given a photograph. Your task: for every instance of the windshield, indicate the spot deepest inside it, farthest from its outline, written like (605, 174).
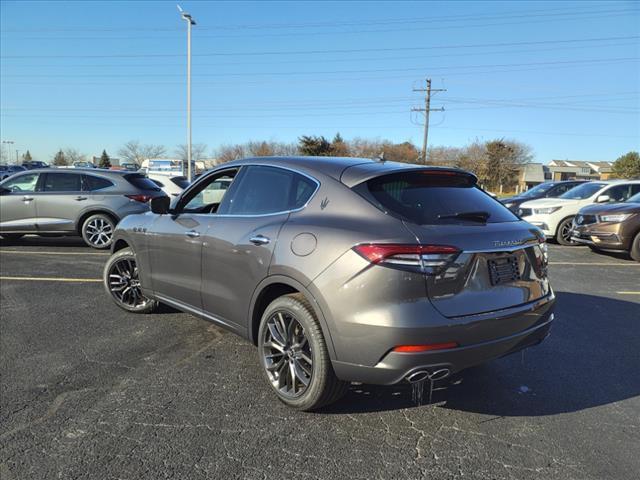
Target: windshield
(634, 199)
(583, 191)
(537, 190)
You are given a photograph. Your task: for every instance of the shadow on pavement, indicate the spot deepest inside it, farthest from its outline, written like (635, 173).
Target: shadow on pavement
(49, 241)
(590, 359)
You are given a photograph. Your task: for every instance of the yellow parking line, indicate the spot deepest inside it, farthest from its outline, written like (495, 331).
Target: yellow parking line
(628, 293)
(598, 264)
(53, 279)
(26, 252)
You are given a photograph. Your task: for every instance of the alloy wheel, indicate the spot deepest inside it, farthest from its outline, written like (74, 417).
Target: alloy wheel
(287, 355)
(99, 232)
(124, 283)
(565, 232)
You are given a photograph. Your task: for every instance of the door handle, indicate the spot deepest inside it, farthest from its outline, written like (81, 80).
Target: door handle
(192, 234)
(79, 198)
(259, 240)
(27, 199)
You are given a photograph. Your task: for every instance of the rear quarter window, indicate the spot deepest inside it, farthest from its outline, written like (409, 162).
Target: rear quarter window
(424, 197)
(93, 183)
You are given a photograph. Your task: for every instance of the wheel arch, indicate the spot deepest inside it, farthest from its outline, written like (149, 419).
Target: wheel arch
(273, 287)
(93, 211)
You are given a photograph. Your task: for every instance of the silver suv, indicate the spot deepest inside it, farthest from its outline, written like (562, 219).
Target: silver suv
(341, 269)
(86, 202)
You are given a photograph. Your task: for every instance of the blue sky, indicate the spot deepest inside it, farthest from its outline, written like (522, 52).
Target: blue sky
(563, 77)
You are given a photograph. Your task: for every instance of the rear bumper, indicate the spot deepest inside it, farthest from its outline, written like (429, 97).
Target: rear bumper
(395, 367)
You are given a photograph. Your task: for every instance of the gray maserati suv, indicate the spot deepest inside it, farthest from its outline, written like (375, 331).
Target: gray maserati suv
(341, 269)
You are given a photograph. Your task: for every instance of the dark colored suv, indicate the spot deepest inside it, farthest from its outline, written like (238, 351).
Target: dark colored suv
(87, 202)
(341, 269)
(544, 190)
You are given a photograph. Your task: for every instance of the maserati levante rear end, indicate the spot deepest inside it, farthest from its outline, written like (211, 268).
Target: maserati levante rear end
(341, 269)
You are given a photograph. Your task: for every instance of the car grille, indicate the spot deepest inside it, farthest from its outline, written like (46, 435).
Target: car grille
(525, 212)
(585, 219)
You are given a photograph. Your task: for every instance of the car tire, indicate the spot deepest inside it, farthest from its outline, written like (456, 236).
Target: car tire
(282, 364)
(634, 252)
(120, 279)
(563, 232)
(11, 237)
(97, 231)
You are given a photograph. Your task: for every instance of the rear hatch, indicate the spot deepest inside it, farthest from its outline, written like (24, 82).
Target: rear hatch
(497, 260)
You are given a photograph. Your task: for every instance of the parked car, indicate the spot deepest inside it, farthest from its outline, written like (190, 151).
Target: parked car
(32, 164)
(83, 164)
(171, 185)
(612, 227)
(554, 216)
(8, 170)
(341, 269)
(86, 202)
(544, 190)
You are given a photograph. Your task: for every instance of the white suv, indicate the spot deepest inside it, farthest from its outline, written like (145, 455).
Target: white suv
(554, 215)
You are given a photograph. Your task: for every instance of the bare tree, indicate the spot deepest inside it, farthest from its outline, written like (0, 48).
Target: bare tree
(133, 151)
(198, 152)
(72, 155)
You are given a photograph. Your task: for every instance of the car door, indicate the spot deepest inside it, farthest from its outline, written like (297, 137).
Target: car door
(239, 243)
(175, 242)
(60, 201)
(18, 203)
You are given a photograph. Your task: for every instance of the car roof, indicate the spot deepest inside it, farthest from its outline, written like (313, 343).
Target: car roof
(348, 170)
(101, 171)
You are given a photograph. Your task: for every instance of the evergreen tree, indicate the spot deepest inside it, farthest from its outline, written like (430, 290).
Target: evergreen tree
(105, 161)
(339, 147)
(59, 159)
(314, 146)
(27, 157)
(627, 166)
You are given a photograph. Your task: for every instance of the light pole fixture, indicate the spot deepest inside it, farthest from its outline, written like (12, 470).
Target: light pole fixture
(11, 142)
(190, 21)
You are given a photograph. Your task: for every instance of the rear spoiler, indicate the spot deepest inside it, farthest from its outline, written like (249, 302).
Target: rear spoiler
(357, 174)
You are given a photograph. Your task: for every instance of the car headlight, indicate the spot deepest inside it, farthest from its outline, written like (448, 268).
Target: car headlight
(546, 211)
(621, 217)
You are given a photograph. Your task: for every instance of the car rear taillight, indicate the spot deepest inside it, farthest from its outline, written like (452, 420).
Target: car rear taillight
(428, 259)
(140, 197)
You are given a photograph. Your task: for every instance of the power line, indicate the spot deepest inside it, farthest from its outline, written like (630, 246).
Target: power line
(427, 109)
(566, 17)
(334, 51)
(324, 72)
(326, 24)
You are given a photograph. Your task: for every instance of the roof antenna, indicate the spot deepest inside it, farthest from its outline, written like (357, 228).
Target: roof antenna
(380, 157)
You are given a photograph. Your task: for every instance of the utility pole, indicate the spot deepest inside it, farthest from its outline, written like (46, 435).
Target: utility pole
(427, 108)
(190, 21)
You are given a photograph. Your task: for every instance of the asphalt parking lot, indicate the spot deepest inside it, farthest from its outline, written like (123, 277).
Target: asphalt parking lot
(89, 391)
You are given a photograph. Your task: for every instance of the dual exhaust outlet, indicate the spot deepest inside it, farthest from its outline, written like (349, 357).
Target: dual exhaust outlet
(424, 374)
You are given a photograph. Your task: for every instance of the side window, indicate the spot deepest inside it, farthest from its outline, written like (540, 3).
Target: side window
(263, 190)
(560, 189)
(22, 183)
(208, 194)
(62, 182)
(619, 193)
(635, 188)
(92, 183)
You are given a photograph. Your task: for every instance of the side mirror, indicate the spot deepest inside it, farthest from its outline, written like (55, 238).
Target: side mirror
(603, 199)
(160, 205)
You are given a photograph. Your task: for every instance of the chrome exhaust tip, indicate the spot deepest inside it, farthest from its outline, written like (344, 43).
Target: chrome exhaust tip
(422, 375)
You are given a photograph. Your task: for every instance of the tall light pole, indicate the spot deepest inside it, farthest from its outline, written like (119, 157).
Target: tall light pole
(190, 21)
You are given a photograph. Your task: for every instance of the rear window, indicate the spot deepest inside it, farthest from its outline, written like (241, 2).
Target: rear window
(140, 181)
(181, 182)
(428, 198)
